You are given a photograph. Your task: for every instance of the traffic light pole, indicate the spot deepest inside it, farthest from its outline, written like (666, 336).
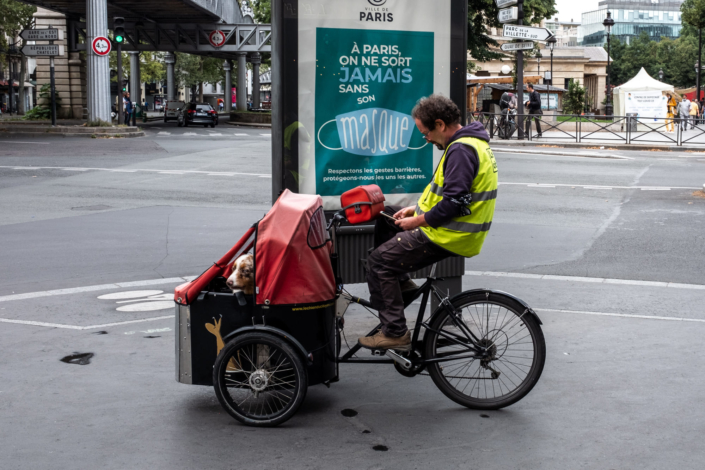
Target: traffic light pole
(520, 79)
(121, 116)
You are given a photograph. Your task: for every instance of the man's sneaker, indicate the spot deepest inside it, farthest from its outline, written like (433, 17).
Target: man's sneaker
(382, 341)
(408, 285)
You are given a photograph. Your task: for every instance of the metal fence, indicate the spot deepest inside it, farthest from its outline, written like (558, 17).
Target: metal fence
(582, 129)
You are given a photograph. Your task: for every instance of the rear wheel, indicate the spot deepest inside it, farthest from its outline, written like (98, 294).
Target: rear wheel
(514, 345)
(212, 126)
(259, 379)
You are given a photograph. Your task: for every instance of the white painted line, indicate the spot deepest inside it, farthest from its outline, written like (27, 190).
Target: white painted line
(623, 315)
(15, 142)
(597, 187)
(655, 189)
(561, 154)
(267, 135)
(599, 280)
(538, 185)
(242, 135)
(582, 185)
(215, 135)
(76, 327)
(146, 170)
(78, 290)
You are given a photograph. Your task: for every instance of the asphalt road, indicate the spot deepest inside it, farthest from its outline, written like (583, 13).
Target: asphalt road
(608, 250)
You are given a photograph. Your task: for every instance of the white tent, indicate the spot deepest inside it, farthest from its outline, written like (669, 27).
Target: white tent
(641, 82)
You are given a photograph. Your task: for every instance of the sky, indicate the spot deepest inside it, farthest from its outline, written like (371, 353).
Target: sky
(568, 9)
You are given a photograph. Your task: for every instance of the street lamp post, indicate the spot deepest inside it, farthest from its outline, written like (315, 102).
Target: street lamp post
(12, 50)
(660, 75)
(608, 23)
(551, 44)
(538, 60)
(698, 72)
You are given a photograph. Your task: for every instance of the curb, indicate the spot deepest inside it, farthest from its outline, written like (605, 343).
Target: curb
(249, 124)
(607, 146)
(126, 135)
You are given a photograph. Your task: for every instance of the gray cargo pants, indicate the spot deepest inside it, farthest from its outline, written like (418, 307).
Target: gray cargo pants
(396, 254)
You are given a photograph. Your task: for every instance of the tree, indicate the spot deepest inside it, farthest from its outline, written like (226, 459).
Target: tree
(15, 16)
(574, 99)
(193, 71)
(152, 68)
(694, 15)
(43, 109)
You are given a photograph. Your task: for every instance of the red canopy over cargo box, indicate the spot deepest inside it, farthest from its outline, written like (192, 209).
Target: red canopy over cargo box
(293, 253)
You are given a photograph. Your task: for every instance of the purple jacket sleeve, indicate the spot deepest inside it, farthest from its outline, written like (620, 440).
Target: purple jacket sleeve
(459, 173)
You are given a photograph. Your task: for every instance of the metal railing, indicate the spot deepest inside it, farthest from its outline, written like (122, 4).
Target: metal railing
(617, 129)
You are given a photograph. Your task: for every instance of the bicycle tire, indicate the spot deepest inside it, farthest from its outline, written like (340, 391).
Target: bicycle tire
(273, 389)
(506, 358)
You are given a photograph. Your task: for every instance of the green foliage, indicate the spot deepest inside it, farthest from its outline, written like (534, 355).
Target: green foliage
(676, 57)
(574, 100)
(693, 13)
(14, 17)
(43, 109)
(152, 67)
(484, 14)
(192, 70)
(262, 10)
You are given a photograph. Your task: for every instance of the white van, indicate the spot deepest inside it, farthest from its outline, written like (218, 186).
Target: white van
(171, 109)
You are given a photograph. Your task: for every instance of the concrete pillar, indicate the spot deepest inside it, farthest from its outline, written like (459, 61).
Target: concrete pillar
(170, 60)
(228, 91)
(98, 67)
(135, 85)
(241, 81)
(256, 60)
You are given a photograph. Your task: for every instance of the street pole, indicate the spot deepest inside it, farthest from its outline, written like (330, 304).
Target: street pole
(608, 23)
(52, 80)
(121, 117)
(11, 84)
(700, 57)
(520, 79)
(551, 82)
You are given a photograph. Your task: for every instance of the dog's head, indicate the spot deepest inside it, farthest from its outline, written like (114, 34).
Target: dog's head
(243, 276)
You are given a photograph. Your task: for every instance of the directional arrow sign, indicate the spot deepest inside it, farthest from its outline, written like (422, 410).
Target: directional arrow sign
(46, 50)
(508, 15)
(526, 32)
(51, 34)
(517, 46)
(506, 3)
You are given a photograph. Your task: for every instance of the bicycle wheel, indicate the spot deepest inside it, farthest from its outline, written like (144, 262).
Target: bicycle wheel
(516, 351)
(259, 379)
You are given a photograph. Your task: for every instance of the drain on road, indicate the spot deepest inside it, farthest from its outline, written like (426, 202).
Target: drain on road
(380, 448)
(348, 413)
(82, 359)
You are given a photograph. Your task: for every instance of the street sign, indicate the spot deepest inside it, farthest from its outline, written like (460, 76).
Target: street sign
(508, 15)
(517, 46)
(101, 46)
(216, 38)
(49, 34)
(506, 3)
(526, 32)
(48, 50)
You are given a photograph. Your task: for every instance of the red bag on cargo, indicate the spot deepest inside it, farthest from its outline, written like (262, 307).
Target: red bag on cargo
(362, 204)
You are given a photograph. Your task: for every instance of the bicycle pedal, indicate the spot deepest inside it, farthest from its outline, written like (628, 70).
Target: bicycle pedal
(378, 352)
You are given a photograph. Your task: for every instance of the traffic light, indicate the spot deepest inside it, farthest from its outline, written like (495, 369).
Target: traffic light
(119, 29)
(124, 84)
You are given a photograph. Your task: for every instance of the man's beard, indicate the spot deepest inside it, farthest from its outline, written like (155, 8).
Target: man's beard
(438, 146)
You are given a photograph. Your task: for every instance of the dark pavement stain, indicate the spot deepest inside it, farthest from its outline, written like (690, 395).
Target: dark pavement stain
(152, 336)
(348, 413)
(100, 333)
(82, 359)
(484, 416)
(380, 448)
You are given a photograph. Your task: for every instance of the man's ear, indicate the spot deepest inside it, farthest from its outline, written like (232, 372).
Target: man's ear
(440, 125)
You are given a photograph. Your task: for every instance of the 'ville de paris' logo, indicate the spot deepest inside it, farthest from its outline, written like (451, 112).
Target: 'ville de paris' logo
(377, 3)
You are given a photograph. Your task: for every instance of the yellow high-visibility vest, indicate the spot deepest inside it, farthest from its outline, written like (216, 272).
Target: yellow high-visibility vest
(464, 235)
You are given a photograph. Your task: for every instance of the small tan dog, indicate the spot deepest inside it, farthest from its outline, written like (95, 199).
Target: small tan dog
(243, 276)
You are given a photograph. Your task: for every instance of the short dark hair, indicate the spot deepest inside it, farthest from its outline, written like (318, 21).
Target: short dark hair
(431, 108)
(530, 85)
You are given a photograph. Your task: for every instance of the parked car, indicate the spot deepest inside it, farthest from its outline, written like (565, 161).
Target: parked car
(171, 109)
(194, 113)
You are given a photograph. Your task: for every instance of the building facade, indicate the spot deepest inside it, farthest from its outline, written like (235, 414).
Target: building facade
(566, 32)
(658, 18)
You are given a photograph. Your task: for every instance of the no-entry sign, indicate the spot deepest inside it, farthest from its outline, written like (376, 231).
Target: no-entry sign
(216, 38)
(101, 46)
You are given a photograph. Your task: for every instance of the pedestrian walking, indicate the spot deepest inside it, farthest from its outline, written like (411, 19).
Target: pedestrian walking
(670, 112)
(129, 108)
(534, 105)
(694, 112)
(684, 113)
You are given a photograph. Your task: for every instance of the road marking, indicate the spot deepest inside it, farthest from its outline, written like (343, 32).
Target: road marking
(623, 315)
(146, 170)
(599, 280)
(17, 142)
(597, 187)
(215, 135)
(164, 133)
(99, 287)
(590, 186)
(189, 133)
(561, 154)
(76, 327)
(242, 135)
(267, 135)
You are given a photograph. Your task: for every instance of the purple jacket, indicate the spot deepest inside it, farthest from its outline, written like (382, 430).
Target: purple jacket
(459, 172)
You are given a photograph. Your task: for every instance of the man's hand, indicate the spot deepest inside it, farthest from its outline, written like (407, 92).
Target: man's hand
(405, 212)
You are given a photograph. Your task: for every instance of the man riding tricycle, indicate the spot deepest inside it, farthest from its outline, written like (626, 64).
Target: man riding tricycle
(262, 339)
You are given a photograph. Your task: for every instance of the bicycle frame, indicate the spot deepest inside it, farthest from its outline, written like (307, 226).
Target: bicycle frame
(470, 342)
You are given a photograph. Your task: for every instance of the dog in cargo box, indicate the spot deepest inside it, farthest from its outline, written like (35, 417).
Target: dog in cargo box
(243, 276)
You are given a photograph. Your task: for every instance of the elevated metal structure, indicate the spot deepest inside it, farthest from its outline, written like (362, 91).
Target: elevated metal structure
(154, 11)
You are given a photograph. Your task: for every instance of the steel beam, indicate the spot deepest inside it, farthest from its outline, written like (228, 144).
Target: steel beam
(170, 60)
(242, 81)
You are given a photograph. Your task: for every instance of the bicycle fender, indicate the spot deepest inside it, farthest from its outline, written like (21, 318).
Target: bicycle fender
(500, 294)
(275, 331)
